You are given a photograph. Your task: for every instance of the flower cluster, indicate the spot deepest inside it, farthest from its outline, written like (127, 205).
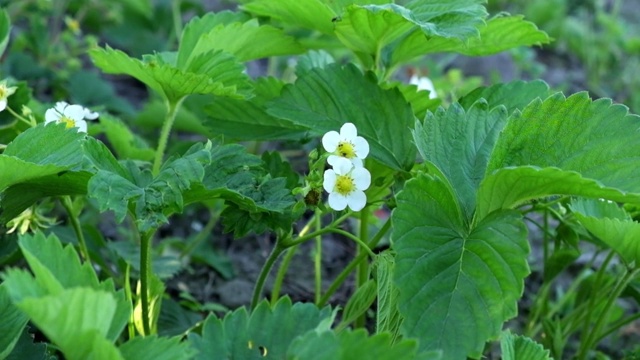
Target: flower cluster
(70, 115)
(347, 179)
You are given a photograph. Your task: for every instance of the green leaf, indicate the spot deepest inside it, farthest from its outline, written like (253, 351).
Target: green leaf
(575, 134)
(153, 199)
(243, 336)
(359, 302)
(514, 95)
(5, 29)
(125, 143)
(419, 99)
(232, 117)
(611, 224)
(455, 18)
(155, 348)
(459, 143)
(499, 34)
(342, 346)
(311, 14)
(246, 41)
(515, 347)
(12, 325)
(162, 266)
(217, 73)
(175, 320)
(457, 284)
(25, 348)
(388, 318)
(313, 59)
(155, 291)
(76, 320)
(510, 187)
(323, 100)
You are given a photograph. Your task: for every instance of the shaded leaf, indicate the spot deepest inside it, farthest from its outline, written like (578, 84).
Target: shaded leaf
(243, 336)
(324, 99)
(459, 143)
(450, 276)
(155, 348)
(514, 95)
(359, 302)
(25, 348)
(175, 320)
(12, 325)
(125, 143)
(515, 347)
(388, 318)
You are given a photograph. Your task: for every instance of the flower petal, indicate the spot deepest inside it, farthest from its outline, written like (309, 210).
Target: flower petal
(337, 201)
(342, 165)
(361, 146)
(75, 112)
(330, 141)
(329, 181)
(81, 125)
(3, 104)
(90, 115)
(357, 200)
(51, 115)
(348, 131)
(60, 106)
(361, 178)
(357, 162)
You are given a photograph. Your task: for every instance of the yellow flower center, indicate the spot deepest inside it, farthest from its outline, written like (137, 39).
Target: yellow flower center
(344, 185)
(67, 121)
(346, 150)
(3, 91)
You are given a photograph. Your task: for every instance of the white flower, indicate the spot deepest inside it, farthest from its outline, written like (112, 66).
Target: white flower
(88, 114)
(424, 83)
(345, 184)
(70, 115)
(5, 92)
(346, 144)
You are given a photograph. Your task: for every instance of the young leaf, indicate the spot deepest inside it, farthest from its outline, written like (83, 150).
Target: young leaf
(243, 336)
(611, 224)
(359, 303)
(514, 95)
(459, 143)
(217, 73)
(324, 99)
(457, 285)
(12, 325)
(388, 317)
(155, 292)
(154, 348)
(311, 14)
(126, 144)
(515, 347)
(175, 320)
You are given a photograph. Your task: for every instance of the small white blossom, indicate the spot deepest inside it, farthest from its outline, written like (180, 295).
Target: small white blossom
(424, 83)
(346, 144)
(70, 115)
(5, 92)
(345, 184)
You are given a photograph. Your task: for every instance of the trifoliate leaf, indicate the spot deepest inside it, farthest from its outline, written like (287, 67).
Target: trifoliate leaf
(459, 143)
(126, 144)
(266, 332)
(155, 348)
(311, 14)
(216, 72)
(323, 99)
(450, 275)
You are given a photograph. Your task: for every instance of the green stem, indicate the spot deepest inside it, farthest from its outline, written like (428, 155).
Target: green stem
(172, 110)
(77, 228)
(129, 296)
(302, 238)
(145, 277)
(202, 235)
(282, 271)
(318, 260)
(335, 285)
(20, 117)
(604, 314)
(266, 268)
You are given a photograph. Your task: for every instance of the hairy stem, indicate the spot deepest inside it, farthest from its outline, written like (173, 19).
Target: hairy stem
(77, 228)
(266, 268)
(145, 277)
(172, 110)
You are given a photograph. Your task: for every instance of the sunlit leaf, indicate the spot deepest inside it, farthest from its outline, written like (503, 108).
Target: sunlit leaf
(450, 276)
(155, 348)
(310, 14)
(514, 95)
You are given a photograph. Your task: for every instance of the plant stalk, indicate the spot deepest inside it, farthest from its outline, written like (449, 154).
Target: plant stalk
(172, 110)
(266, 268)
(77, 228)
(145, 277)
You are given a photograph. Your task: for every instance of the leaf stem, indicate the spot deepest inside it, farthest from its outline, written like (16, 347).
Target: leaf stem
(335, 285)
(302, 238)
(172, 110)
(266, 268)
(20, 117)
(145, 276)
(318, 259)
(282, 271)
(77, 228)
(363, 267)
(129, 296)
